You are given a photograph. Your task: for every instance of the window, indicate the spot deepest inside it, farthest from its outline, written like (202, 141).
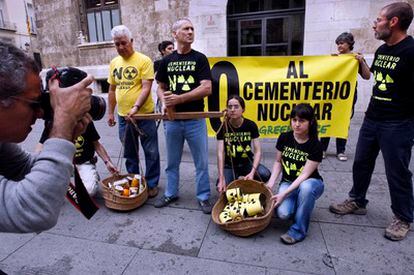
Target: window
(31, 23)
(101, 17)
(265, 27)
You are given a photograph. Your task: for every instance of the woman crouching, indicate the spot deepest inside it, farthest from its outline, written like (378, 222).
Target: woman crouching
(298, 154)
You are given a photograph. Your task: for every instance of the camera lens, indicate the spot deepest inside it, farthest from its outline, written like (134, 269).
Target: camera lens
(98, 107)
(69, 76)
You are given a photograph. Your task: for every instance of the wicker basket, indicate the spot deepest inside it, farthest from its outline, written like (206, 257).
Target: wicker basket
(117, 202)
(247, 226)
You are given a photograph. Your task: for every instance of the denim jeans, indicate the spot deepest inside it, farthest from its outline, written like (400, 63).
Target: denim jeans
(262, 173)
(149, 142)
(300, 202)
(195, 132)
(395, 140)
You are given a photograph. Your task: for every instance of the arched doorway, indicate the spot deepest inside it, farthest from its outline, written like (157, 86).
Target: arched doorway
(265, 27)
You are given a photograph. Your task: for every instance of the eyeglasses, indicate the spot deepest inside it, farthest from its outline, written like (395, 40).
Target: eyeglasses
(379, 20)
(34, 104)
(233, 107)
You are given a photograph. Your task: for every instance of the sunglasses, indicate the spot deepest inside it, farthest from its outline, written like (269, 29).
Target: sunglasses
(34, 104)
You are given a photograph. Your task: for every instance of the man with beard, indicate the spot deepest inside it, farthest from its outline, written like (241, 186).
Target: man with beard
(389, 122)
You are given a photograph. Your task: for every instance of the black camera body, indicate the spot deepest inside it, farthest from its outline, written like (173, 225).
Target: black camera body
(69, 76)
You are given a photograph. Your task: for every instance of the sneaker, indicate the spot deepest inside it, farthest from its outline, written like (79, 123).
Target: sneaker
(153, 192)
(397, 230)
(324, 154)
(342, 157)
(287, 239)
(205, 206)
(164, 201)
(349, 206)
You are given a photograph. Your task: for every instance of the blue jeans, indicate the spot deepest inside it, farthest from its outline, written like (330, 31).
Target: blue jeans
(300, 202)
(195, 132)
(395, 140)
(149, 142)
(262, 173)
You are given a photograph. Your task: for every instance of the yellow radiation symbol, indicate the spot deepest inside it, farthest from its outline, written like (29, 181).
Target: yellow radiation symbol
(383, 81)
(130, 73)
(79, 142)
(190, 80)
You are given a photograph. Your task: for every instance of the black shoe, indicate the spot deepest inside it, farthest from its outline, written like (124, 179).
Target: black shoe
(164, 201)
(205, 206)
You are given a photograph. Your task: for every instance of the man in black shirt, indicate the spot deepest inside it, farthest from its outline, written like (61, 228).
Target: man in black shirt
(389, 122)
(184, 80)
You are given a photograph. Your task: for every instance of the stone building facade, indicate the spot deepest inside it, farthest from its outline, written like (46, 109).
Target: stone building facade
(222, 28)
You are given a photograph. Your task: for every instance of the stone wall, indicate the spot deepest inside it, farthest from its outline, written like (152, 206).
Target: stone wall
(326, 19)
(58, 27)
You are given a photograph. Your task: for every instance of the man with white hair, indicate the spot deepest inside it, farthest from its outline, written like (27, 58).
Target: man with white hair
(184, 80)
(130, 78)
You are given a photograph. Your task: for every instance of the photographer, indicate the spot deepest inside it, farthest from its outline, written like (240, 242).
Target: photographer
(32, 187)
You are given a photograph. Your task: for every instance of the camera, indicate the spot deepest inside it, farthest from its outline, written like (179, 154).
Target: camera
(69, 76)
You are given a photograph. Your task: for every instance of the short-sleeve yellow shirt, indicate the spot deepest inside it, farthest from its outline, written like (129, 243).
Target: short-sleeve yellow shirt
(127, 75)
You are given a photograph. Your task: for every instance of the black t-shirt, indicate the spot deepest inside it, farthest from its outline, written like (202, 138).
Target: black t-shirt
(182, 73)
(156, 65)
(295, 155)
(238, 143)
(85, 149)
(393, 92)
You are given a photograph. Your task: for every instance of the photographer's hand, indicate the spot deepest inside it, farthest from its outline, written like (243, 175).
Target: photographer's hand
(70, 106)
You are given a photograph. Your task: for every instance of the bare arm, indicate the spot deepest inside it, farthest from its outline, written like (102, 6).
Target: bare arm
(198, 93)
(220, 166)
(308, 169)
(256, 159)
(111, 105)
(145, 92)
(363, 68)
(277, 168)
(103, 154)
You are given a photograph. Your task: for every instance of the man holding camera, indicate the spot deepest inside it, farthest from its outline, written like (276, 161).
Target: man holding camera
(33, 187)
(130, 78)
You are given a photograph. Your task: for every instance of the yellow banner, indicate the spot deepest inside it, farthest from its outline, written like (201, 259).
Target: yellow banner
(271, 86)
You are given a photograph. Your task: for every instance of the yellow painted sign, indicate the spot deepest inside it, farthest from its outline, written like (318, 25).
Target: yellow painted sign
(271, 86)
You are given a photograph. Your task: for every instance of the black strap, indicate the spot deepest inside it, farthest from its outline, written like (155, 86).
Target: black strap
(78, 196)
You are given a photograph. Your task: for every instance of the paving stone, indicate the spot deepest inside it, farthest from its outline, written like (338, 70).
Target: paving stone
(265, 249)
(359, 249)
(11, 242)
(53, 254)
(153, 262)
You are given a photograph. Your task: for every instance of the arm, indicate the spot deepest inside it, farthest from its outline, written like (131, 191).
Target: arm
(277, 168)
(145, 92)
(308, 169)
(111, 105)
(256, 159)
(220, 166)
(162, 88)
(363, 68)
(103, 154)
(198, 93)
(31, 201)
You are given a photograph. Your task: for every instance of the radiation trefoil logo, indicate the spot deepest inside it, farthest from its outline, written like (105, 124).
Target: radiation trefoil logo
(130, 73)
(383, 81)
(181, 80)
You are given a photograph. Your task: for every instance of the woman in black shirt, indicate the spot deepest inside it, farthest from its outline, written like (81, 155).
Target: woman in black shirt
(298, 154)
(235, 157)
